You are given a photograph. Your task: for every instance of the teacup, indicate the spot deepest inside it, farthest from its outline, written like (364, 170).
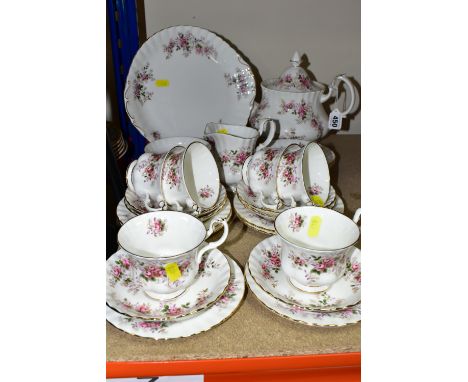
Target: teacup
(259, 172)
(167, 248)
(315, 245)
(190, 178)
(164, 145)
(303, 176)
(144, 178)
(234, 144)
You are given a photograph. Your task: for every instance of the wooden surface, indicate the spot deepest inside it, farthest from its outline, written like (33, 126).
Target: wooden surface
(253, 331)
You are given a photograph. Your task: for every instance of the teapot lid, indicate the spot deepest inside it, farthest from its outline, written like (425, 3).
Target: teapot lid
(294, 78)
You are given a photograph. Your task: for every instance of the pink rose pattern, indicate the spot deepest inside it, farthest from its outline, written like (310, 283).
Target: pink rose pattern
(171, 173)
(152, 326)
(345, 313)
(228, 295)
(261, 106)
(315, 265)
(234, 159)
(242, 81)
(296, 222)
(187, 43)
(315, 189)
(271, 262)
(264, 166)
(156, 227)
(153, 272)
(353, 273)
(206, 192)
(140, 91)
(301, 82)
(288, 168)
(303, 112)
(149, 168)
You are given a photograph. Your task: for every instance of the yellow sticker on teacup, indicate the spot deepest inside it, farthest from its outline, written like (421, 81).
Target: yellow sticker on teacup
(172, 271)
(161, 83)
(314, 226)
(317, 200)
(222, 131)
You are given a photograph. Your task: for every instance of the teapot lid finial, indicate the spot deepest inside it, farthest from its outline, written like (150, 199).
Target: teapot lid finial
(295, 60)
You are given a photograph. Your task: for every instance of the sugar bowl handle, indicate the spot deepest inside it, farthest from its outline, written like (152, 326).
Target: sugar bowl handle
(334, 86)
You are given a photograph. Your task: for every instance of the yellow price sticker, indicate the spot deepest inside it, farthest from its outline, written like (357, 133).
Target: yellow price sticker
(314, 226)
(222, 131)
(172, 271)
(317, 200)
(161, 83)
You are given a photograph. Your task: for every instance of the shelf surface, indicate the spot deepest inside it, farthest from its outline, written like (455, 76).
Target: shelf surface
(254, 331)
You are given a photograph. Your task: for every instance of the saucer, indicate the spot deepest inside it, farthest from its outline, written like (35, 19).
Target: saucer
(137, 206)
(219, 312)
(251, 219)
(348, 316)
(124, 214)
(265, 268)
(125, 289)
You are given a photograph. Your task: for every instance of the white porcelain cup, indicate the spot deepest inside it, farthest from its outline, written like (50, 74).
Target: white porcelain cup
(303, 176)
(190, 178)
(167, 248)
(234, 144)
(315, 244)
(164, 145)
(259, 173)
(144, 178)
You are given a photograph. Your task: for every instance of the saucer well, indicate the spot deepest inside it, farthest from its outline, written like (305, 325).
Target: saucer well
(265, 268)
(348, 316)
(219, 312)
(125, 289)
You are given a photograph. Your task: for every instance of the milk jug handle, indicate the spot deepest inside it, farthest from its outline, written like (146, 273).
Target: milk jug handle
(271, 132)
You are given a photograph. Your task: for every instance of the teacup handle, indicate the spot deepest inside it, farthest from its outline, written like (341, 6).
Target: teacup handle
(245, 170)
(333, 86)
(214, 244)
(357, 215)
(271, 206)
(263, 122)
(128, 175)
(146, 202)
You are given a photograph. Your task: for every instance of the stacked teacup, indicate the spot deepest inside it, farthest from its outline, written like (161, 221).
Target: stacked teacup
(310, 271)
(275, 179)
(178, 174)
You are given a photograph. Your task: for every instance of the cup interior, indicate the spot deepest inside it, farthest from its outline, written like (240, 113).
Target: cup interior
(238, 131)
(161, 234)
(315, 172)
(298, 226)
(201, 176)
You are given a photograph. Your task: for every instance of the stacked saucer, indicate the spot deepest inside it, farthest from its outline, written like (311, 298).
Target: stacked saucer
(162, 288)
(316, 287)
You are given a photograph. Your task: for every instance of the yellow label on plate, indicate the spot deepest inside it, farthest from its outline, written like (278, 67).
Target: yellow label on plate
(172, 271)
(317, 200)
(161, 83)
(314, 226)
(222, 131)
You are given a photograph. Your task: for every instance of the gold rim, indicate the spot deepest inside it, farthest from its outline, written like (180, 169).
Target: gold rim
(183, 315)
(287, 317)
(315, 309)
(252, 225)
(257, 210)
(234, 311)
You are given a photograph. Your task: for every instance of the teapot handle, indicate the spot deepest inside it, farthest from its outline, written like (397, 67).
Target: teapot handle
(271, 133)
(334, 85)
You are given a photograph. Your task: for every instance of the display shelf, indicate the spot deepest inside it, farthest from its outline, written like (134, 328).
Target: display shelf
(254, 344)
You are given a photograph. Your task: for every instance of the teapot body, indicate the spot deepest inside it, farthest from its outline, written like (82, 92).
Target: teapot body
(298, 115)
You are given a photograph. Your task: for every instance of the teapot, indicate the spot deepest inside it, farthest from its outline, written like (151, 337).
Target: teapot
(295, 103)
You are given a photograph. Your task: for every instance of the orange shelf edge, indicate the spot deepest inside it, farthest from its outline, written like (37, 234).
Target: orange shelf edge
(232, 365)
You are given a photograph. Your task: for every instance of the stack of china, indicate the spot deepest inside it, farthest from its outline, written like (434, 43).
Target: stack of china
(310, 271)
(276, 179)
(166, 281)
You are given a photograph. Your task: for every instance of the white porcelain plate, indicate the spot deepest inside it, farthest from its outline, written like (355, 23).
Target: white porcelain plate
(183, 77)
(125, 289)
(251, 219)
(265, 268)
(224, 308)
(348, 316)
(225, 213)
